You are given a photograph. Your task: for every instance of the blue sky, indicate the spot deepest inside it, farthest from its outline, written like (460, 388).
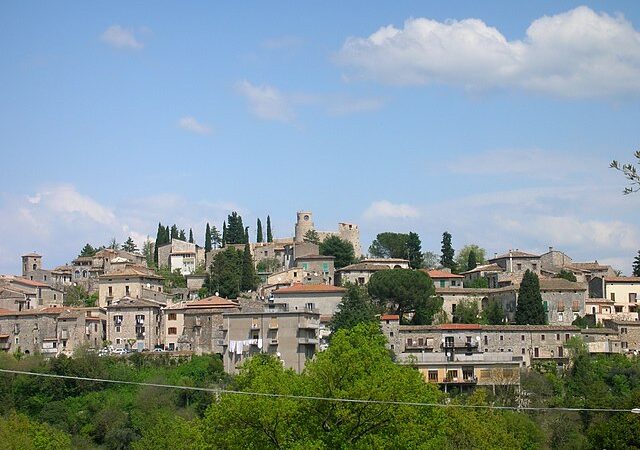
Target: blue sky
(493, 120)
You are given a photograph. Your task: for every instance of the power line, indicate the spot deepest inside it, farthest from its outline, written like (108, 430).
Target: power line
(218, 391)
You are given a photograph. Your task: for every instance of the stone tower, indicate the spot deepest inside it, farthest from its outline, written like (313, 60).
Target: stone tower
(303, 224)
(350, 233)
(30, 263)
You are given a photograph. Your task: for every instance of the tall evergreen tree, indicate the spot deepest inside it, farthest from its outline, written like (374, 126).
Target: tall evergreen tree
(236, 232)
(447, 252)
(129, 246)
(87, 250)
(216, 239)
(414, 251)
(175, 233)
(167, 235)
(182, 235)
(530, 310)
(259, 237)
(191, 236)
(269, 233)
(246, 235)
(248, 282)
(224, 234)
(207, 239)
(471, 261)
(226, 273)
(355, 308)
(636, 265)
(158, 243)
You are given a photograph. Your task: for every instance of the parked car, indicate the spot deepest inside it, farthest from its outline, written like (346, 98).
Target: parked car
(158, 350)
(120, 351)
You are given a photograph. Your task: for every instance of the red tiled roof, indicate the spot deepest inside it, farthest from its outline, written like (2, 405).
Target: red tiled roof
(28, 282)
(310, 289)
(32, 312)
(622, 279)
(441, 274)
(460, 326)
(212, 302)
(389, 317)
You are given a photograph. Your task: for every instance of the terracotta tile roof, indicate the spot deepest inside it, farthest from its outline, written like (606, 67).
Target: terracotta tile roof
(547, 328)
(33, 312)
(364, 267)
(211, 302)
(299, 288)
(464, 291)
(389, 317)
(434, 273)
(4, 336)
(28, 282)
(622, 279)
(459, 326)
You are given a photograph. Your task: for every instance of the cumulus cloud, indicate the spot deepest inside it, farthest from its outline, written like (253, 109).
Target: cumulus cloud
(579, 53)
(192, 125)
(384, 209)
(266, 102)
(121, 37)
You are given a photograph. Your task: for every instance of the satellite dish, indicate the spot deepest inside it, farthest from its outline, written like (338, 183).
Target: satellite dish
(217, 294)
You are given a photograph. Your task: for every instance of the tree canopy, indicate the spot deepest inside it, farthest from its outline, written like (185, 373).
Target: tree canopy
(389, 245)
(87, 250)
(226, 273)
(630, 173)
(636, 265)
(402, 291)
(236, 233)
(207, 239)
(312, 237)
(340, 249)
(355, 308)
(130, 246)
(259, 235)
(467, 311)
(464, 257)
(447, 252)
(493, 314)
(530, 310)
(567, 275)
(269, 232)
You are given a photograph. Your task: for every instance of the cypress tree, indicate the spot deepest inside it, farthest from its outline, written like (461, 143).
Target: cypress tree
(158, 243)
(248, 281)
(269, 234)
(207, 239)
(530, 310)
(191, 236)
(246, 235)
(414, 251)
(636, 265)
(471, 261)
(175, 234)
(182, 236)
(216, 239)
(259, 237)
(167, 235)
(447, 252)
(236, 232)
(224, 233)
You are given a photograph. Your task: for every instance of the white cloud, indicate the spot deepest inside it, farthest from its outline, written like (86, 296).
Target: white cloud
(266, 102)
(579, 53)
(68, 203)
(191, 124)
(120, 37)
(384, 209)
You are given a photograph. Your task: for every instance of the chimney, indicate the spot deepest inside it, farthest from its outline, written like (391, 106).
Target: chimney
(550, 248)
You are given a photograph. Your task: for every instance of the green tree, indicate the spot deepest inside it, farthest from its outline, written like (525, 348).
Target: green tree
(207, 239)
(224, 233)
(182, 236)
(340, 249)
(246, 235)
(147, 252)
(249, 279)
(477, 283)
(159, 243)
(175, 233)
(312, 237)
(259, 237)
(447, 252)
(567, 275)
(113, 244)
(236, 233)
(172, 432)
(466, 311)
(414, 251)
(630, 173)
(88, 250)
(530, 310)
(431, 260)
(191, 241)
(19, 432)
(390, 245)
(129, 246)
(216, 239)
(401, 291)
(75, 296)
(356, 307)
(493, 314)
(471, 261)
(636, 265)
(462, 258)
(226, 273)
(269, 265)
(269, 232)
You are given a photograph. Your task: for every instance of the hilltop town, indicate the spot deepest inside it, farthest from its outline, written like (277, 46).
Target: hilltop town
(237, 298)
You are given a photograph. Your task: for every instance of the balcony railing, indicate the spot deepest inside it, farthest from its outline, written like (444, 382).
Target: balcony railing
(307, 341)
(419, 346)
(308, 325)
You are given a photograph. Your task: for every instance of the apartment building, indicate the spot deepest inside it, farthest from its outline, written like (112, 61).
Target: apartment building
(321, 297)
(134, 323)
(129, 281)
(622, 293)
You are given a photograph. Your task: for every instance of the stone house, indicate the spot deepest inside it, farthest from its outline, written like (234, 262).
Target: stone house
(514, 264)
(554, 261)
(79, 327)
(629, 333)
(393, 263)
(358, 273)
(181, 255)
(601, 340)
(319, 269)
(37, 294)
(488, 271)
(134, 323)
(30, 331)
(128, 282)
(443, 278)
(622, 292)
(196, 325)
(321, 297)
(453, 296)
(291, 336)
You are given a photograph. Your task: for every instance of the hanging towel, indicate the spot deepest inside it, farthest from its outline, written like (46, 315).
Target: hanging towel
(260, 344)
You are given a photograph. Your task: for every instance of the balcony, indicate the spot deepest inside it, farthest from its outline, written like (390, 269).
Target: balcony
(419, 345)
(308, 325)
(458, 380)
(307, 341)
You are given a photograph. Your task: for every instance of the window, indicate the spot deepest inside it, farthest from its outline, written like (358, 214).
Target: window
(310, 306)
(534, 267)
(501, 337)
(452, 375)
(110, 291)
(442, 283)
(536, 352)
(126, 290)
(519, 266)
(522, 350)
(522, 337)
(118, 328)
(391, 333)
(557, 336)
(172, 316)
(486, 340)
(561, 317)
(54, 296)
(560, 352)
(325, 267)
(117, 341)
(542, 337)
(633, 297)
(566, 337)
(613, 296)
(172, 330)
(433, 376)
(305, 266)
